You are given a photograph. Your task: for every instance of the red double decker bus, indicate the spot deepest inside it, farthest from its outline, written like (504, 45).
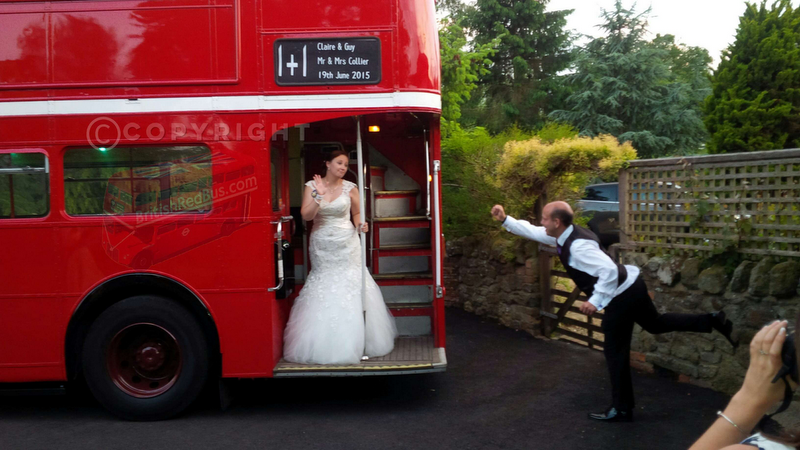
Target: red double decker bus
(152, 161)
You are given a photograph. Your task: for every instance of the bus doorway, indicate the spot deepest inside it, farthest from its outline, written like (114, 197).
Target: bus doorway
(395, 153)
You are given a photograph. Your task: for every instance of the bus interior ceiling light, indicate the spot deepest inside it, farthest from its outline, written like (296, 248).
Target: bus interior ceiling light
(374, 128)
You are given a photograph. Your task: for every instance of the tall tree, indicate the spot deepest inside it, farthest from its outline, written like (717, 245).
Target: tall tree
(648, 93)
(756, 88)
(687, 64)
(522, 82)
(461, 68)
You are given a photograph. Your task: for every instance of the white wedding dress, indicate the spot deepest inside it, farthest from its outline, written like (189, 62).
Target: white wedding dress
(326, 324)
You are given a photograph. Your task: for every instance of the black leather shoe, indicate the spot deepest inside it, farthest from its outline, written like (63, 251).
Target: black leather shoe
(613, 415)
(724, 326)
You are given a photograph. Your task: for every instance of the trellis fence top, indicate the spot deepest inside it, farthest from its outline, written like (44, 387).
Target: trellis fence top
(741, 202)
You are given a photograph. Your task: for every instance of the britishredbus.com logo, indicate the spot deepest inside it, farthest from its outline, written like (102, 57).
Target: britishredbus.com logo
(160, 211)
(203, 200)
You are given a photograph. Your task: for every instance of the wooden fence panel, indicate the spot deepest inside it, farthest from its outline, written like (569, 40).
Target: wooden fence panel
(558, 310)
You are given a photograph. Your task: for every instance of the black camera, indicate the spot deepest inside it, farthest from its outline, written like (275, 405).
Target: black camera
(789, 358)
(789, 368)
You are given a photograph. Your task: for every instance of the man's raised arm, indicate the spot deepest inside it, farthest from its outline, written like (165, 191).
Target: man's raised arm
(522, 228)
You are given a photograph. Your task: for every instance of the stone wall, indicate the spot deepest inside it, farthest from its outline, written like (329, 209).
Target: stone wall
(753, 295)
(497, 279)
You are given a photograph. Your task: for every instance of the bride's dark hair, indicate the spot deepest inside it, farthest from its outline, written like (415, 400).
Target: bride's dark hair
(331, 156)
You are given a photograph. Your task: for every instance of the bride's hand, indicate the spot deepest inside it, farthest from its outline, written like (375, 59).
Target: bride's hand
(363, 227)
(321, 189)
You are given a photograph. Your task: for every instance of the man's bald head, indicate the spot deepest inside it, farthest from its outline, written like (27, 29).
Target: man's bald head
(558, 205)
(553, 211)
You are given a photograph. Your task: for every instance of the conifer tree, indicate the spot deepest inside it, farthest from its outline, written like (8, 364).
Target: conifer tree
(461, 68)
(647, 93)
(756, 88)
(522, 84)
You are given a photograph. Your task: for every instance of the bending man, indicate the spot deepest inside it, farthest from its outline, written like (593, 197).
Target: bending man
(617, 289)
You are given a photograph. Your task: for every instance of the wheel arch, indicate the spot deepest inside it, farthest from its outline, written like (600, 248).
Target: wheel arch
(121, 287)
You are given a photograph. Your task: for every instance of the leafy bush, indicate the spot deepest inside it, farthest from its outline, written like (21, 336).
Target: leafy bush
(532, 172)
(468, 193)
(516, 169)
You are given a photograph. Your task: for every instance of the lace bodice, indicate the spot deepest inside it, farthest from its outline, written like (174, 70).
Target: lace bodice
(337, 212)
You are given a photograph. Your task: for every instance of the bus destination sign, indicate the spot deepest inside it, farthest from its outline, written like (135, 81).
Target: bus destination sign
(327, 61)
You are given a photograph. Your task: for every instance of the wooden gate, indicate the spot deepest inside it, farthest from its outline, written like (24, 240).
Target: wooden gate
(560, 301)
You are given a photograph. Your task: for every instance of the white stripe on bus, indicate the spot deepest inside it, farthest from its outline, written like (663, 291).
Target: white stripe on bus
(222, 103)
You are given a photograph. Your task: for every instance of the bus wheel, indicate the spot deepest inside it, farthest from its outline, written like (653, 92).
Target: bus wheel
(145, 358)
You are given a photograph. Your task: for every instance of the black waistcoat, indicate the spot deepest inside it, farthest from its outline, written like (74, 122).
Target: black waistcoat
(583, 280)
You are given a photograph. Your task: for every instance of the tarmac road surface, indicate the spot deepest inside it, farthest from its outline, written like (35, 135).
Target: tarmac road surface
(503, 390)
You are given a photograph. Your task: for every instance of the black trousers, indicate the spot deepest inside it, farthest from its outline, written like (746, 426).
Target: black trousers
(635, 306)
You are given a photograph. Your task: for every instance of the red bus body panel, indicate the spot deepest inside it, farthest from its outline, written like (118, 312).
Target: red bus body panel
(56, 56)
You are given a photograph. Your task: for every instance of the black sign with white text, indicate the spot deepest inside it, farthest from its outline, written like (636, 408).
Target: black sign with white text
(327, 61)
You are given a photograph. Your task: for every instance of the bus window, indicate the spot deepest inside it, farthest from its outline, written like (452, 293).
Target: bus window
(137, 180)
(24, 189)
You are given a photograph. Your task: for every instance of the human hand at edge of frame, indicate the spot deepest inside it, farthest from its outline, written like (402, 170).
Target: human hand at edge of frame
(363, 227)
(765, 361)
(588, 308)
(498, 213)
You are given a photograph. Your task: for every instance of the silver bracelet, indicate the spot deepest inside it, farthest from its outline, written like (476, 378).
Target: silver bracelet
(719, 413)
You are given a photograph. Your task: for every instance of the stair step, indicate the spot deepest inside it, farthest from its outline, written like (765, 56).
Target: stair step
(407, 294)
(413, 192)
(410, 309)
(403, 276)
(409, 305)
(422, 251)
(400, 219)
(404, 247)
(404, 282)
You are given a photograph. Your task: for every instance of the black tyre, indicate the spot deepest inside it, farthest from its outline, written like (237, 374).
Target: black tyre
(145, 358)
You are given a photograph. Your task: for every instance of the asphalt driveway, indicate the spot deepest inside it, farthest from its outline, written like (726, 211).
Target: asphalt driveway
(503, 390)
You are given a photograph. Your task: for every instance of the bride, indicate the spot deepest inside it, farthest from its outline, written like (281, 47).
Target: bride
(326, 325)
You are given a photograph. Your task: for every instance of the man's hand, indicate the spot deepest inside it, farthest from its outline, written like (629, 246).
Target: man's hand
(588, 308)
(498, 213)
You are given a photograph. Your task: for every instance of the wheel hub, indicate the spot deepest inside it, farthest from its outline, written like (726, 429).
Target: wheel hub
(150, 356)
(144, 360)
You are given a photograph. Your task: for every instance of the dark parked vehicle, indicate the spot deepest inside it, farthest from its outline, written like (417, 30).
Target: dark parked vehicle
(601, 201)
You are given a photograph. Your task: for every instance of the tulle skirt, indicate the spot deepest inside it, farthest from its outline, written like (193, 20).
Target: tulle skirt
(329, 323)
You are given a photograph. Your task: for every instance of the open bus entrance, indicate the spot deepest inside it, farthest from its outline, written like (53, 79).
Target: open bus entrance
(401, 245)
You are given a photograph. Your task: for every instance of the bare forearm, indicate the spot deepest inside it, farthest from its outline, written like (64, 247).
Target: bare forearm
(722, 433)
(309, 211)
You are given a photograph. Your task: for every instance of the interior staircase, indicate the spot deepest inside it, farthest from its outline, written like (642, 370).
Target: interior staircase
(402, 254)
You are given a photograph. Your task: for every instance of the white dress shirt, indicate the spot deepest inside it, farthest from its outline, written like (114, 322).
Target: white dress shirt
(585, 256)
